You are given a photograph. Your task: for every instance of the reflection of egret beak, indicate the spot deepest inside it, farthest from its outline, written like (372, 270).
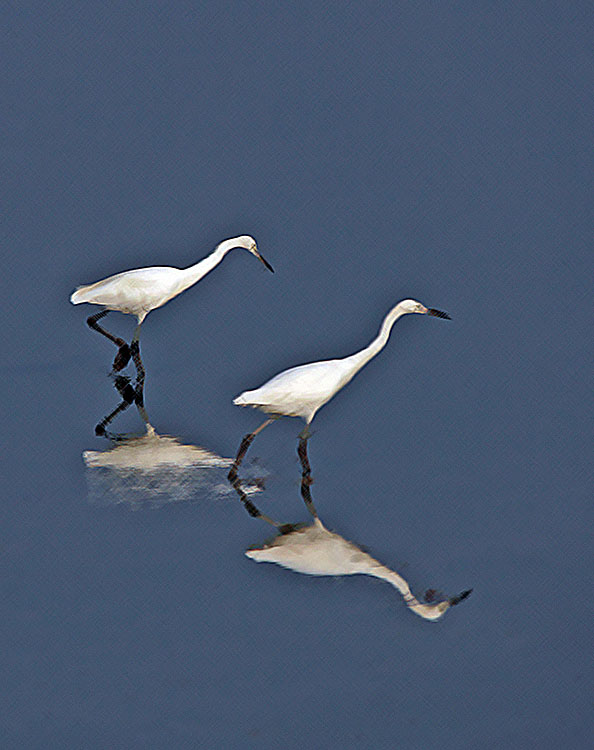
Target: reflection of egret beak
(266, 263)
(438, 314)
(460, 598)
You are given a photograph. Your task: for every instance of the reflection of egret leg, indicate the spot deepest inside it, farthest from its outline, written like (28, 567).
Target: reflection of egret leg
(306, 479)
(100, 428)
(236, 482)
(123, 356)
(124, 388)
(250, 507)
(282, 528)
(140, 375)
(126, 391)
(243, 448)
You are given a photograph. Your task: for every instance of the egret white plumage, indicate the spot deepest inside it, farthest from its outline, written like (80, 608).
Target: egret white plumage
(141, 290)
(301, 391)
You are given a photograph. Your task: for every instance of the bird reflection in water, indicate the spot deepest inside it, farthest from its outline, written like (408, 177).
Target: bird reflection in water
(155, 470)
(314, 550)
(149, 469)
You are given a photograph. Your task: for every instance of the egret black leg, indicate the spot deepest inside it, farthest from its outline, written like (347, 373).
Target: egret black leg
(123, 356)
(282, 528)
(140, 376)
(125, 388)
(243, 448)
(306, 480)
(128, 394)
(100, 429)
(140, 372)
(236, 482)
(251, 508)
(245, 444)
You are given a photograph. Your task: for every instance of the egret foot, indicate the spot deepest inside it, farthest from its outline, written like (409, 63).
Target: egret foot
(287, 528)
(100, 428)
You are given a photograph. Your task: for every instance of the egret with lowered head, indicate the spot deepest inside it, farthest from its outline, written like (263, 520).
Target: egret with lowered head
(301, 391)
(141, 290)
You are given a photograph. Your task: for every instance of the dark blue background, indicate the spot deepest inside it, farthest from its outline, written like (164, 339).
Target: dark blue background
(376, 150)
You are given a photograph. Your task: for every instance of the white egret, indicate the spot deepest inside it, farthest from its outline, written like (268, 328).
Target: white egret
(301, 391)
(315, 551)
(141, 290)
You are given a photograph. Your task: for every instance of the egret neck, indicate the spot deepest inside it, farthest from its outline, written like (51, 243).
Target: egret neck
(192, 274)
(359, 359)
(428, 611)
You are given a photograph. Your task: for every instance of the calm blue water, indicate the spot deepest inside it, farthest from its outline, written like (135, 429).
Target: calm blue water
(376, 151)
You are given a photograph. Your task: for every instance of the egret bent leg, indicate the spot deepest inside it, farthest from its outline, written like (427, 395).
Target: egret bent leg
(125, 388)
(128, 395)
(140, 375)
(236, 482)
(282, 528)
(306, 480)
(253, 511)
(243, 448)
(123, 356)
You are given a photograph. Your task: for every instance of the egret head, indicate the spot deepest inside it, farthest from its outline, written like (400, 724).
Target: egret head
(249, 244)
(412, 306)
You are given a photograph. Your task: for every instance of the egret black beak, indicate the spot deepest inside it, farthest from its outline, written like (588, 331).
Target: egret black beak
(266, 263)
(438, 313)
(460, 598)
